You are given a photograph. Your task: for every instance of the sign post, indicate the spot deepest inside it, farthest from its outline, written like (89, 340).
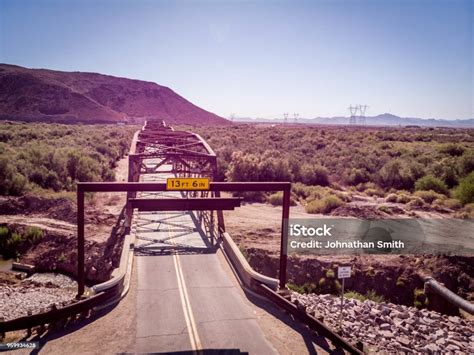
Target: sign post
(343, 272)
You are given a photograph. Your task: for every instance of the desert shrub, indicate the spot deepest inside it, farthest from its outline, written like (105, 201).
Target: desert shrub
(391, 197)
(385, 209)
(469, 210)
(307, 287)
(452, 149)
(357, 176)
(54, 157)
(250, 167)
(314, 175)
(429, 196)
(466, 163)
(330, 274)
(370, 295)
(301, 190)
(276, 199)
(403, 198)
(429, 182)
(416, 202)
(374, 192)
(11, 181)
(446, 170)
(452, 203)
(325, 205)
(465, 190)
(3, 236)
(399, 175)
(34, 234)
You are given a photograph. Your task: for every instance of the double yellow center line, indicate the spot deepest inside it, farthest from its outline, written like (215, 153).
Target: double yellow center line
(186, 304)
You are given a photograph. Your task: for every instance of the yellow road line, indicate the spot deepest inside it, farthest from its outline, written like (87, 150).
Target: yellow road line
(186, 304)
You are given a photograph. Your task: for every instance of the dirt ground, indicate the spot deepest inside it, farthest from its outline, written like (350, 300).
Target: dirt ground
(256, 228)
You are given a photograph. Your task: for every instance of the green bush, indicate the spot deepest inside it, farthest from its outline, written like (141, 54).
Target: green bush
(325, 205)
(34, 234)
(452, 203)
(399, 175)
(374, 192)
(357, 176)
(370, 295)
(446, 170)
(276, 199)
(466, 163)
(465, 190)
(11, 181)
(54, 157)
(330, 274)
(429, 196)
(391, 198)
(416, 202)
(452, 149)
(429, 182)
(403, 198)
(469, 210)
(314, 175)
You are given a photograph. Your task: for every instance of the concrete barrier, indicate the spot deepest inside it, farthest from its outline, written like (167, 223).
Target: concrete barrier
(249, 277)
(121, 275)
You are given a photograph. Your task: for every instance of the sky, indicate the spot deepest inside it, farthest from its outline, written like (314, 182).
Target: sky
(262, 58)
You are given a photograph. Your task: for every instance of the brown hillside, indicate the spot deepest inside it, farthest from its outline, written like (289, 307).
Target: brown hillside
(40, 94)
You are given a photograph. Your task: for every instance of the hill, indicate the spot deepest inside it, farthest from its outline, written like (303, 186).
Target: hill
(49, 95)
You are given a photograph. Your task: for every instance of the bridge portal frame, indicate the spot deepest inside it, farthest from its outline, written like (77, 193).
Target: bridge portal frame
(132, 187)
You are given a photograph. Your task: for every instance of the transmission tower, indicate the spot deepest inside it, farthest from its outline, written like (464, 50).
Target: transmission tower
(362, 109)
(232, 117)
(295, 116)
(353, 111)
(285, 118)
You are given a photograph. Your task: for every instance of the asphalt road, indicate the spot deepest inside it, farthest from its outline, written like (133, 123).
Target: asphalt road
(185, 300)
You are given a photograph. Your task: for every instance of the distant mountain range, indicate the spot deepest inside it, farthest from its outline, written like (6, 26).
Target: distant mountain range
(49, 95)
(385, 119)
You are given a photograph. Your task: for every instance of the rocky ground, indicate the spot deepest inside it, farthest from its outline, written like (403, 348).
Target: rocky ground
(34, 294)
(388, 327)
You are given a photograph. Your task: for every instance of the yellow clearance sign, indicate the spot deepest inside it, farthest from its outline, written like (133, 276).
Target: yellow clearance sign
(183, 184)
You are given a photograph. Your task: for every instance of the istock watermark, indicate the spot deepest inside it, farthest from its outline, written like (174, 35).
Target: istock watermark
(383, 236)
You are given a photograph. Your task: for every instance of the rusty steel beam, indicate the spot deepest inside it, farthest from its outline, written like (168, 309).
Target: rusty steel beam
(161, 186)
(80, 244)
(284, 238)
(185, 204)
(187, 155)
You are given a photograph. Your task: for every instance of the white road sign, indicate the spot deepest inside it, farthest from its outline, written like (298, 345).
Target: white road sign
(343, 272)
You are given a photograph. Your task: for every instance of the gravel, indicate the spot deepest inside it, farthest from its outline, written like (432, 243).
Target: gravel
(35, 294)
(389, 327)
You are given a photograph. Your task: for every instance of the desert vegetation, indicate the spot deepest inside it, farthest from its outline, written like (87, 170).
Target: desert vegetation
(420, 167)
(12, 243)
(51, 158)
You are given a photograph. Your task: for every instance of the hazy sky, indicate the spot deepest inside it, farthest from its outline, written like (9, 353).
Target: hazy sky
(262, 58)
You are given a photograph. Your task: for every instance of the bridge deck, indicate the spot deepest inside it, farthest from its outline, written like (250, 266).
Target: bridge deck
(185, 299)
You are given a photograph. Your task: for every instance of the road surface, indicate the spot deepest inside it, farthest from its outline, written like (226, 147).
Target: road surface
(185, 300)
